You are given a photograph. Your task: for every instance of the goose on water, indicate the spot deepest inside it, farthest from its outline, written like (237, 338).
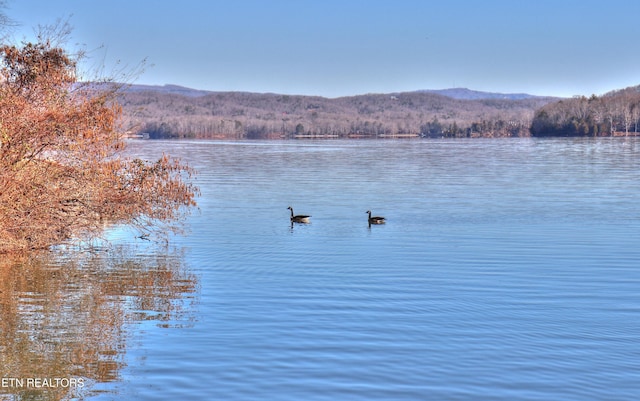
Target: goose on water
(299, 218)
(375, 219)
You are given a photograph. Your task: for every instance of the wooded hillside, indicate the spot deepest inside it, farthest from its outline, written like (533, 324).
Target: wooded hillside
(615, 113)
(178, 112)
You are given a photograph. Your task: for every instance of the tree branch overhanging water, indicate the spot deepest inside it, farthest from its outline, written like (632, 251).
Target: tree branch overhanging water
(62, 173)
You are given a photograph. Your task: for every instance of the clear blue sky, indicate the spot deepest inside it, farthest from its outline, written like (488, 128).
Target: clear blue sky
(345, 47)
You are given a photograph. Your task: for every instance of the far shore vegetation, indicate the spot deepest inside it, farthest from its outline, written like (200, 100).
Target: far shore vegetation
(175, 112)
(62, 170)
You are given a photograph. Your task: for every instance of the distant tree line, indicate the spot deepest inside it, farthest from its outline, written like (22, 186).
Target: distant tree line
(615, 113)
(239, 115)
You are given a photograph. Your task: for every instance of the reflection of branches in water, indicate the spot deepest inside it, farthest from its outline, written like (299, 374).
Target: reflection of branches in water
(65, 316)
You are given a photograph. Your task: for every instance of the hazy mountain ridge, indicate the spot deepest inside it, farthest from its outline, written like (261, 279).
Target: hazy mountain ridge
(168, 89)
(469, 94)
(454, 93)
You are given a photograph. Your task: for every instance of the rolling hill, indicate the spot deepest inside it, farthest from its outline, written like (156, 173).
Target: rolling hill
(174, 111)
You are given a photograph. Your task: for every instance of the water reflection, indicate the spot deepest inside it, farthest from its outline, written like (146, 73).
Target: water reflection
(64, 320)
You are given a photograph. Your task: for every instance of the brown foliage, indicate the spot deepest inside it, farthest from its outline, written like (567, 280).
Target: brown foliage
(61, 173)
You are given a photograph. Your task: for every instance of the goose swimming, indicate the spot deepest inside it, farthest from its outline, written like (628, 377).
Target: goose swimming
(375, 219)
(299, 218)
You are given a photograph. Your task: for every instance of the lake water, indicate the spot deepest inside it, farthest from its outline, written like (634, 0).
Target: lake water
(508, 269)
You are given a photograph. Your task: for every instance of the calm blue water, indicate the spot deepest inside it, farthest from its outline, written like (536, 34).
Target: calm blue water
(507, 270)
